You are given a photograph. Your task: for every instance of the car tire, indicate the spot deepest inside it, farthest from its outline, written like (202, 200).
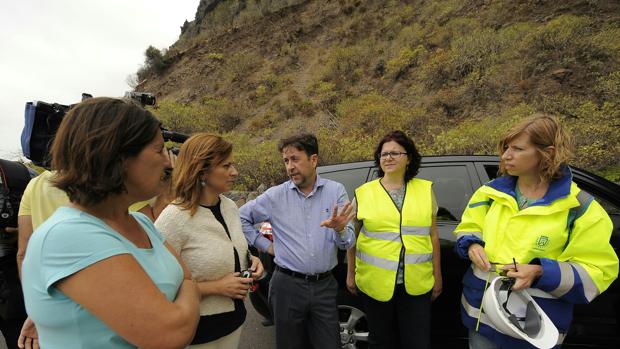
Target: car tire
(353, 324)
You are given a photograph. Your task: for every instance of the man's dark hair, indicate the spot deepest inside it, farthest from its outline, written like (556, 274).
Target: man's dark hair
(93, 142)
(305, 142)
(412, 153)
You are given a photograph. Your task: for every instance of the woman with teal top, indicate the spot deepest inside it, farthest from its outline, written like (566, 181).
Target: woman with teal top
(95, 275)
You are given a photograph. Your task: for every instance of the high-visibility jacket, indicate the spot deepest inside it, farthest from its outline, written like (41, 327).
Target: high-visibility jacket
(566, 232)
(386, 231)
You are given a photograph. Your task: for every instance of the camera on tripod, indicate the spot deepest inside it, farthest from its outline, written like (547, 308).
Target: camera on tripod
(144, 98)
(43, 119)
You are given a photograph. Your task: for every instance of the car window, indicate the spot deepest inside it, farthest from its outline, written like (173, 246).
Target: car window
(452, 190)
(492, 171)
(351, 178)
(451, 186)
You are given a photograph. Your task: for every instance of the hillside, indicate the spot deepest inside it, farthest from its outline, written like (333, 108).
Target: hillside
(453, 74)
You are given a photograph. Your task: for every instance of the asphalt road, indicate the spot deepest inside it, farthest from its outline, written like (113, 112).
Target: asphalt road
(254, 335)
(2, 343)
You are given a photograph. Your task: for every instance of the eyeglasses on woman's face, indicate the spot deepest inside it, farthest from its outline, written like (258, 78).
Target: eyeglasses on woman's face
(391, 154)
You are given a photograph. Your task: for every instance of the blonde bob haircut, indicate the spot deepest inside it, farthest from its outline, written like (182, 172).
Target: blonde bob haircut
(552, 141)
(198, 154)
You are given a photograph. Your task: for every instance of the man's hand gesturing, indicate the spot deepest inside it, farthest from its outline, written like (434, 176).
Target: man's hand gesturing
(339, 220)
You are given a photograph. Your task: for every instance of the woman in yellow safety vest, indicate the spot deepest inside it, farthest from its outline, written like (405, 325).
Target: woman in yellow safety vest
(534, 224)
(396, 261)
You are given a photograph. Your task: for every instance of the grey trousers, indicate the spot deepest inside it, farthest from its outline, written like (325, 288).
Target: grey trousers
(305, 312)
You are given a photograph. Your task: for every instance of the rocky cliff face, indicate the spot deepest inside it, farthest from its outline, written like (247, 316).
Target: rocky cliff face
(212, 15)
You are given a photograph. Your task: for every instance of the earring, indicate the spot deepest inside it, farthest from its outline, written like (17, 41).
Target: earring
(203, 183)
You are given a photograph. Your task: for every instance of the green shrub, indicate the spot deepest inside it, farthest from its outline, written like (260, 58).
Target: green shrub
(437, 70)
(595, 130)
(372, 114)
(608, 87)
(477, 136)
(406, 59)
(216, 115)
(240, 65)
(608, 39)
(184, 118)
(154, 63)
(326, 94)
(564, 41)
(475, 52)
(562, 33)
(344, 63)
(409, 36)
(215, 56)
(270, 85)
(257, 160)
(339, 147)
(223, 113)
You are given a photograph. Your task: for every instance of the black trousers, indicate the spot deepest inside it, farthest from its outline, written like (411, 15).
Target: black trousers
(305, 312)
(12, 311)
(10, 330)
(402, 322)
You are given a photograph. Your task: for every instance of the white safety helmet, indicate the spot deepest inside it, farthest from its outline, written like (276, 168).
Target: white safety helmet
(516, 314)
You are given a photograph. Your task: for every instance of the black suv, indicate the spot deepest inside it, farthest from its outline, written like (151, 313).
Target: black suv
(455, 178)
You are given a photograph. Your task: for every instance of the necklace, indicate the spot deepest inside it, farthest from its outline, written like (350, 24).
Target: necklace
(522, 200)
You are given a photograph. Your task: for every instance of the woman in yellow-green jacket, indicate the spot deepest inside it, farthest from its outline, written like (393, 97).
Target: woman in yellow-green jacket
(535, 224)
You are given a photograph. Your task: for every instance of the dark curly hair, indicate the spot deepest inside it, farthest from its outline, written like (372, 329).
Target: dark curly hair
(93, 142)
(412, 153)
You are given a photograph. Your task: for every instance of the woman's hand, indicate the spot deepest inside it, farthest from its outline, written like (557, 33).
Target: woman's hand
(524, 274)
(351, 286)
(479, 257)
(234, 286)
(437, 287)
(28, 337)
(257, 268)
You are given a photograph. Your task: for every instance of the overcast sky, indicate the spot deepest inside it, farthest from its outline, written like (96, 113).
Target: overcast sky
(53, 50)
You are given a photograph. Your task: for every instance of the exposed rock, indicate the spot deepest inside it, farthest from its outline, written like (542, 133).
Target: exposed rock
(561, 74)
(261, 188)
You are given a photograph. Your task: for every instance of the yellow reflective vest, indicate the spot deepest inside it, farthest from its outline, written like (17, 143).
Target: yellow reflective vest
(386, 231)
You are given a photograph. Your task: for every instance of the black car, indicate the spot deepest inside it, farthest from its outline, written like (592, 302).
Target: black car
(455, 178)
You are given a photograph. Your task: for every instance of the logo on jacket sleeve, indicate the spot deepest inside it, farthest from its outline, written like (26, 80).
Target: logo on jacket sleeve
(542, 242)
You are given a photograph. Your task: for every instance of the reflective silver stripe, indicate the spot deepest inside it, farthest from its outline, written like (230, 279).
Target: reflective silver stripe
(561, 337)
(386, 236)
(567, 280)
(481, 203)
(418, 258)
(534, 292)
(474, 312)
(377, 261)
(589, 287)
(466, 233)
(422, 231)
(537, 292)
(584, 198)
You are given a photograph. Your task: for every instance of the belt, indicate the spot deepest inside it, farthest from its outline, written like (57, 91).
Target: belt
(307, 277)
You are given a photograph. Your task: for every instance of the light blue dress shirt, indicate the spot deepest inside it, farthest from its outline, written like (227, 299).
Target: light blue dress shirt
(299, 242)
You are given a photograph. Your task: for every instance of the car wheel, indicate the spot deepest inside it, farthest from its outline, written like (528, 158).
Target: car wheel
(353, 327)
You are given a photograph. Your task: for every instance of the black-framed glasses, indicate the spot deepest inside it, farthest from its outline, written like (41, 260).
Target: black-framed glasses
(391, 154)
